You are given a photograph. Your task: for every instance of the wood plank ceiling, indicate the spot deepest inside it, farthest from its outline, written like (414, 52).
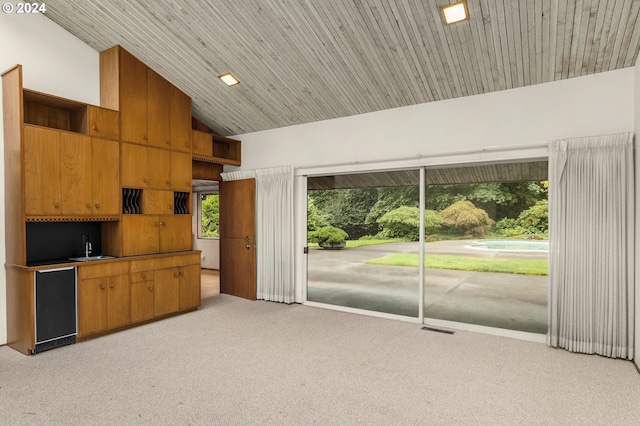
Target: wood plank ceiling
(301, 61)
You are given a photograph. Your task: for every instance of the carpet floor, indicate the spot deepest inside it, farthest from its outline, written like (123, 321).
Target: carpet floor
(240, 362)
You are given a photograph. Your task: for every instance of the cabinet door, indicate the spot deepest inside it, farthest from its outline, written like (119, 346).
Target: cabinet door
(75, 179)
(157, 109)
(103, 123)
(175, 233)
(135, 173)
(166, 291)
(41, 171)
(141, 297)
(133, 98)
(181, 171)
(157, 202)
(180, 120)
(105, 166)
(118, 301)
(189, 286)
(140, 234)
(201, 144)
(92, 306)
(159, 161)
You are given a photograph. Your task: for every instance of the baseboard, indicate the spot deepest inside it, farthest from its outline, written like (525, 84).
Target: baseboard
(635, 364)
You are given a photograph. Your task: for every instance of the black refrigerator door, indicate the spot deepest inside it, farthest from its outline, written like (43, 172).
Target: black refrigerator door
(55, 294)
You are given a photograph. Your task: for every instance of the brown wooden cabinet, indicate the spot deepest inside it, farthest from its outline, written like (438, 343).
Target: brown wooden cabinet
(105, 168)
(148, 167)
(75, 177)
(155, 202)
(158, 94)
(181, 175)
(142, 295)
(70, 174)
(103, 123)
(41, 171)
(180, 120)
(132, 82)
(147, 234)
(190, 286)
(103, 297)
(135, 173)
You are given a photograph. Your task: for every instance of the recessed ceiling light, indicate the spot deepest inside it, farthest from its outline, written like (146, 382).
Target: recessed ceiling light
(229, 79)
(455, 12)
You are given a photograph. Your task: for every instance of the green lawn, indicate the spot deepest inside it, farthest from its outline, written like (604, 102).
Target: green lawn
(463, 263)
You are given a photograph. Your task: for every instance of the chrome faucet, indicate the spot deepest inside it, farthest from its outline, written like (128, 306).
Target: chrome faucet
(87, 245)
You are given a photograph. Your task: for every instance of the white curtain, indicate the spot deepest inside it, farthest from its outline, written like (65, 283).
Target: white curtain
(591, 254)
(274, 231)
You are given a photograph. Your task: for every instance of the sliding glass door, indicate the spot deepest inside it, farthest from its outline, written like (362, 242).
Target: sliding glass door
(361, 227)
(485, 244)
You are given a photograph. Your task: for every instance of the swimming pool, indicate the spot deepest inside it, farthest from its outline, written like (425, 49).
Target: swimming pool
(512, 245)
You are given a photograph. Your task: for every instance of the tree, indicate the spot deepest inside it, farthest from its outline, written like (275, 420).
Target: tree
(315, 220)
(535, 220)
(391, 198)
(464, 217)
(404, 222)
(210, 215)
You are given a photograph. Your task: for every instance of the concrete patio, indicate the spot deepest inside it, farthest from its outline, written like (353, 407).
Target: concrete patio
(510, 301)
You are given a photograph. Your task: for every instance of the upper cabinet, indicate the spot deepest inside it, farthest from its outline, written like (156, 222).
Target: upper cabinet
(152, 111)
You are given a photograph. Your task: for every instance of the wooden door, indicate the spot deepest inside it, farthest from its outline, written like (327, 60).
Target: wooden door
(75, 177)
(189, 286)
(166, 295)
(157, 109)
(41, 171)
(141, 296)
(238, 238)
(118, 301)
(92, 306)
(133, 98)
(140, 234)
(175, 233)
(105, 166)
(179, 119)
(181, 171)
(135, 169)
(159, 163)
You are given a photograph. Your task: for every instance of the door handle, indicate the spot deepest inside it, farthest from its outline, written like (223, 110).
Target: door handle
(247, 242)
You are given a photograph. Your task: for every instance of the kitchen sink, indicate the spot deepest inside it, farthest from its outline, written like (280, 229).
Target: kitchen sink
(91, 258)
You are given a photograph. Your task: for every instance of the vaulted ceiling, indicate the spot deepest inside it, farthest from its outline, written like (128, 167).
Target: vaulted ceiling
(301, 61)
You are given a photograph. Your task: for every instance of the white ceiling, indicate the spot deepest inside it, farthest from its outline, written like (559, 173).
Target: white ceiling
(301, 61)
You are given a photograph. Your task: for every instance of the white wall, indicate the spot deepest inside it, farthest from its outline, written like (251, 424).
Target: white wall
(210, 247)
(55, 62)
(592, 105)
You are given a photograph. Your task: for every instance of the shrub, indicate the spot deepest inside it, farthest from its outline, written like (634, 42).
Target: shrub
(464, 217)
(328, 234)
(403, 222)
(535, 220)
(432, 238)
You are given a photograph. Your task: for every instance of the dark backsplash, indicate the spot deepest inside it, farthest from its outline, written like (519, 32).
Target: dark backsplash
(61, 240)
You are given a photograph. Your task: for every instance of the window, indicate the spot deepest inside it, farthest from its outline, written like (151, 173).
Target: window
(209, 214)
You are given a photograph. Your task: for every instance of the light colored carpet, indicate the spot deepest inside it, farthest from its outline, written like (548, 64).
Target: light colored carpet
(241, 362)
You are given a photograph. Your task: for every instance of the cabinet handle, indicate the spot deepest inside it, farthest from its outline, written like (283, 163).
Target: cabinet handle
(150, 288)
(89, 206)
(144, 137)
(56, 205)
(144, 275)
(102, 287)
(97, 205)
(162, 223)
(168, 182)
(176, 274)
(111, 285)
(168, 142)
(95, 127)
(145, 180)
(156, 224)
(181, 274)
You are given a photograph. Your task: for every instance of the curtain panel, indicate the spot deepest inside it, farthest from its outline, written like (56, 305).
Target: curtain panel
(274, 231)
(591, 245)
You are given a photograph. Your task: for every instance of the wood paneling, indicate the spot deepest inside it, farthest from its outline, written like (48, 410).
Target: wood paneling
(12, 105)
(306, 61)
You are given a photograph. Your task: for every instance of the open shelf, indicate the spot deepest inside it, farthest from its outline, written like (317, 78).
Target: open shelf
(50, 111)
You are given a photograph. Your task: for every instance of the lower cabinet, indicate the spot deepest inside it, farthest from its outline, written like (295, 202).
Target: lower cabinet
(104, 294)
(119, 293)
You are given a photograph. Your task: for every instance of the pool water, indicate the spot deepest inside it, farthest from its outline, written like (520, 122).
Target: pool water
(512, 245)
